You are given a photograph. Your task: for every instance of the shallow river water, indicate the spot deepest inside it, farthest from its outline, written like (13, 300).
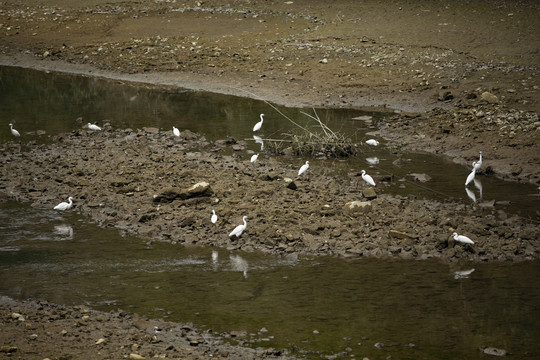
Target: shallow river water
(356, 308)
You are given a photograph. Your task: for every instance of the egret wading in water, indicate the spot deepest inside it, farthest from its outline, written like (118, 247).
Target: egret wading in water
(478, 164)
(239, 229)
(303, 168)
(13, 131)
(258, 125)
(471, 175)
(93, 127)
(213, 219)
(367, 178)
(254, 158)
(175, 131)
(64, 205)
(372, 142)
(462, 239)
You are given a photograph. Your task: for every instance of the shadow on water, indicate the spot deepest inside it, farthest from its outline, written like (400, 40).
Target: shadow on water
(417, 309)
(413, 309)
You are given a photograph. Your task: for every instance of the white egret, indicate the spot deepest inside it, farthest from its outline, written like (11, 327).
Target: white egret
(254, 158)
(258, 125)
(175, 131)
(478, 164)
(259, 140)
(462, 239)
(471, 175)
(372, 142)
(13, 131)
(213, 219)
(372, 160)
(93, 127)
(64, 205)
(367, 178)
(303, 168)
(239, 229)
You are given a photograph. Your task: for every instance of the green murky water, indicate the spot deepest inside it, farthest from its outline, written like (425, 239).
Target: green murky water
(417, 309)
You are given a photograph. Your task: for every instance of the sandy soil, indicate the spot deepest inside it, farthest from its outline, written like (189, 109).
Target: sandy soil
(462, 77)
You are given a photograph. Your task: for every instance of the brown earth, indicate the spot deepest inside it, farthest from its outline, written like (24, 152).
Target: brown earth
(462, 77)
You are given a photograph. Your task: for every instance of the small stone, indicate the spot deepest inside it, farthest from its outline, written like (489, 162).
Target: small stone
(17, 316)
(420, 177)
(100, 341)
(290, 183)
(369, 193)
(494, 351)
(8, 349)
(134, 356)
(401, 235)
(489, 98)
(324, 61)
(358, 207)
(445, 96)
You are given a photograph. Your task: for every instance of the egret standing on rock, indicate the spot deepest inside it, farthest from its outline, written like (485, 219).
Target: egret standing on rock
(93, 127)
(258, 125)
(303, 168)
(462, 239)
(175, 131)
(64, 205)
(213, 219)
(372, 142)
(13, 131)
(367, 178)
(471, 175)
(478, 164)
(254, 158)
(239, 229)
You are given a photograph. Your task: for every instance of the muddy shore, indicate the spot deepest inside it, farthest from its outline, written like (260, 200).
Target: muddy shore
(463, 78)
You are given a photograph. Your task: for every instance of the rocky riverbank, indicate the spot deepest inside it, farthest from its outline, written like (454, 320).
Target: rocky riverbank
(161, 187)
(77, 332)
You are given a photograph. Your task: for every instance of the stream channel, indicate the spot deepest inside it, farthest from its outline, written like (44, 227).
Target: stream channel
(323, 306)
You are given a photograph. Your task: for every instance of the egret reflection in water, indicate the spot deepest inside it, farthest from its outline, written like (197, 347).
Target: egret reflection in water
(64, 230)
(372, 160)
(238, 263)
(259, 140)
(470, 194)
(463, 274)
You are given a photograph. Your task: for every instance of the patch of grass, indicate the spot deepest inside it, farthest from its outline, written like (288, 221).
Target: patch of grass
(316, 143)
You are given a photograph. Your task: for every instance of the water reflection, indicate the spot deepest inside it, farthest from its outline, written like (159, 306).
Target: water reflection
(259, 140)
(372, 160)
(66, 231)
(463, 274)
(471, 195)
(238, 263)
